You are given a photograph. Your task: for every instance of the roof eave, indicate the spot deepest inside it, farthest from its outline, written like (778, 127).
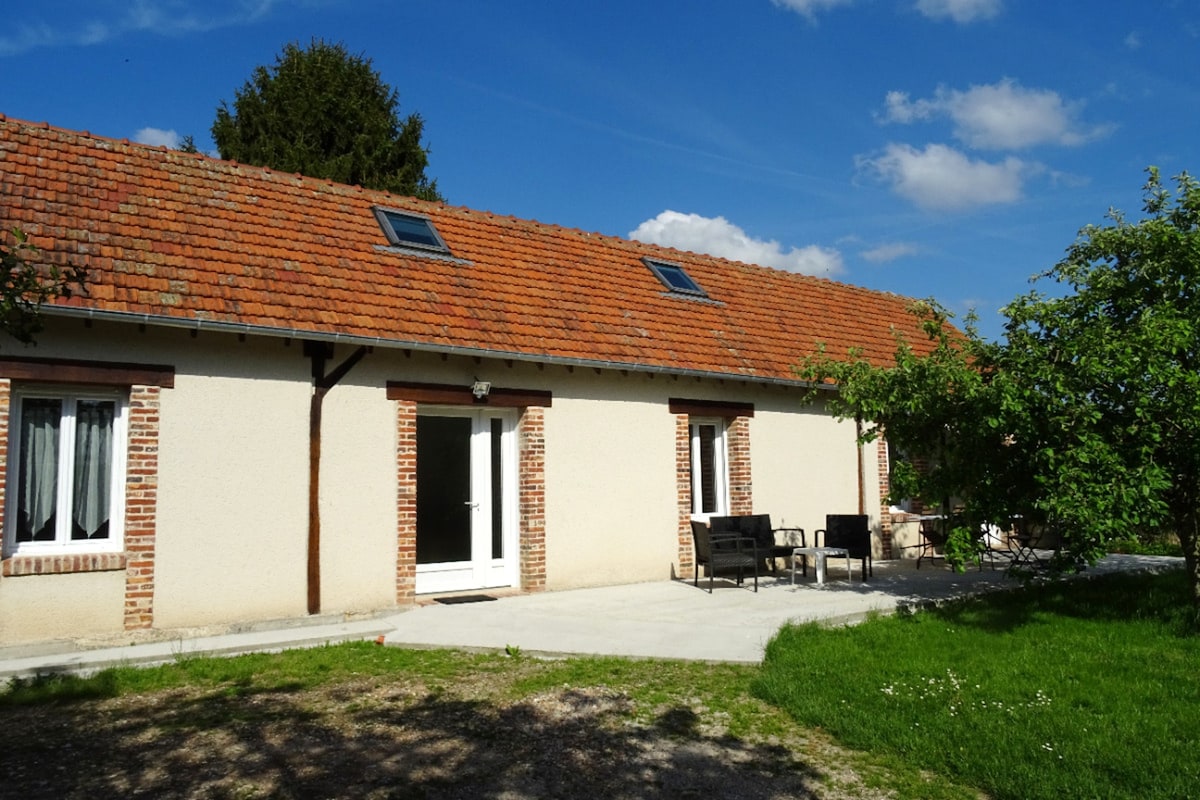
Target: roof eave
(245, 329)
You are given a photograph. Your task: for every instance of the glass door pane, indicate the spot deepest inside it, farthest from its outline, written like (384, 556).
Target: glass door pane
(497, 459)
(443, 489)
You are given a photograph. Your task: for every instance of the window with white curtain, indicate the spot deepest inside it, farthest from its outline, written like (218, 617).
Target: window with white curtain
(66, 471)
(710, 481)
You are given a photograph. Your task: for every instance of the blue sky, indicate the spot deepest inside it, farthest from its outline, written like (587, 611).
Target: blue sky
(935, 148)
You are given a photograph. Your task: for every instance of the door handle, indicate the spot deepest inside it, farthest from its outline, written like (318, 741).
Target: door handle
(469, 503)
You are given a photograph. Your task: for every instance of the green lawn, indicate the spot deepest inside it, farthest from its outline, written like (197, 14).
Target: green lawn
(1084, 689)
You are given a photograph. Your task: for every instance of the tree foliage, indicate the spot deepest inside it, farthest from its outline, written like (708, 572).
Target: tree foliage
(27, 286)
(325, 113)
(1086, 415)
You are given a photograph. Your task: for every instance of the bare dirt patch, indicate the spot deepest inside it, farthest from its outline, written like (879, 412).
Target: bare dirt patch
(388, 738)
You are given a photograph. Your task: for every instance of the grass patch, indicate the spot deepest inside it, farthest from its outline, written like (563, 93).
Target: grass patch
(293, 671)
(356, 694)
(1084, 688)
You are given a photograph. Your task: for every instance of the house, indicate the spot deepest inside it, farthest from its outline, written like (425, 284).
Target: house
(282, 397)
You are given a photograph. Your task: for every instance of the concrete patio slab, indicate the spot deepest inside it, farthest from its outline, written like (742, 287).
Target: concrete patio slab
(645, 620)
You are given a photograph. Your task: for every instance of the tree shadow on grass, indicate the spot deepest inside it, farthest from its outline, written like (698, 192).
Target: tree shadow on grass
(381, 743)
(1120, 597)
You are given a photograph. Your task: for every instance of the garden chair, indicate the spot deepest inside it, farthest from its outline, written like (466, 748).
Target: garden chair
(936, 532)
(1027, 538)
(849, 531)
(766, 538)
(722, 552)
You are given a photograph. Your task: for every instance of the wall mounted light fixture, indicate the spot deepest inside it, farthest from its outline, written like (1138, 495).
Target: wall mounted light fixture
(480, 389)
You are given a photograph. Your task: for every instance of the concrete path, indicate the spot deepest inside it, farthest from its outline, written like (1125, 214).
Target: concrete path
(665, 619)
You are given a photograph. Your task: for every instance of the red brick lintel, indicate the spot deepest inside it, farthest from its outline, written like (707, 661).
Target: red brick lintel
(62, 564)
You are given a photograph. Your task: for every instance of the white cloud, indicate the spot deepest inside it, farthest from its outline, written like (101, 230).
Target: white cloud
(809, 8)
(111, 20)
(1000, 116)
(961, 11)
(890, 252)
(717, 236)
(944, 179)
(157, 136)
(1133, 41)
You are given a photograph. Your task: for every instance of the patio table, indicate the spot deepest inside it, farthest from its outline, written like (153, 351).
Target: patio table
(819, 554)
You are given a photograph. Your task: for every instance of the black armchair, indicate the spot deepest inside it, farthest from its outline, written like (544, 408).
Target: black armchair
(723, 551)
(758, 527)
(852, 532)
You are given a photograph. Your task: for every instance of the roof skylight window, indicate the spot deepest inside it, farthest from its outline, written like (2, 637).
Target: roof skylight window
(410, 230)
(674, 277)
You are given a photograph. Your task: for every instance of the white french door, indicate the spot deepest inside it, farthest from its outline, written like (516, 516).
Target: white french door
(466, 499)
(709, 467)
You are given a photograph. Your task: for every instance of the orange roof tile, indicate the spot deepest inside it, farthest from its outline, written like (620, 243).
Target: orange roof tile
(177, 238)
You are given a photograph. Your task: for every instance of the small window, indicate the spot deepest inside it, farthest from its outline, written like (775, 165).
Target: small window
(710, 478)
(410, 230)
(674, 277)
(66, 471)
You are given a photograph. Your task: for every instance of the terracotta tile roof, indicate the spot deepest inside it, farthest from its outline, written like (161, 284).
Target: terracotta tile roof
(176, 238)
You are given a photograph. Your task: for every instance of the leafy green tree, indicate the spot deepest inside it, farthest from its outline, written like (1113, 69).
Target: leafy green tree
(1086, 415)
(946, 416)
(27, 286)
(1114, 364)
(325, 113)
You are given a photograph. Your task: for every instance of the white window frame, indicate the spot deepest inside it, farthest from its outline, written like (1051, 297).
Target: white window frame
(720, 467)
(63, 543)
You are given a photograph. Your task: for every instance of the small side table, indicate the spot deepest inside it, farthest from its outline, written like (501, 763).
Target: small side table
(819, 554)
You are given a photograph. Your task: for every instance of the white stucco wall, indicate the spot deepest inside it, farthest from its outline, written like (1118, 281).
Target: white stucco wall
(233, 489)
(232, 520)
(803, 464)
(44, 607)
(611, 510)
(358, 493)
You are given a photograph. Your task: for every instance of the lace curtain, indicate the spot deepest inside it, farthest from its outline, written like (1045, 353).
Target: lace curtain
(41, 428)
(93, 468)
(40, 420)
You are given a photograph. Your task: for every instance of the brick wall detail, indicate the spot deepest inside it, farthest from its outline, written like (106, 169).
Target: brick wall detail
(683, 493)
(885, 487)
(5, 402)
(141, 506)
(531, 492)
(737, 446)
(406, 502)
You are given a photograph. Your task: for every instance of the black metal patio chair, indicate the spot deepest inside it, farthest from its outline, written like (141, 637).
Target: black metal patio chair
(723, 552)
(851, 532)
(772, 543)
(1026, 539)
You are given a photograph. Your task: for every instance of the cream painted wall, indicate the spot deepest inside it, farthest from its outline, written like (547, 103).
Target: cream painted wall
(610, 490)
(803, 464)
(233, 478)
(233, 486)
(358, 493)
(43, 607)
